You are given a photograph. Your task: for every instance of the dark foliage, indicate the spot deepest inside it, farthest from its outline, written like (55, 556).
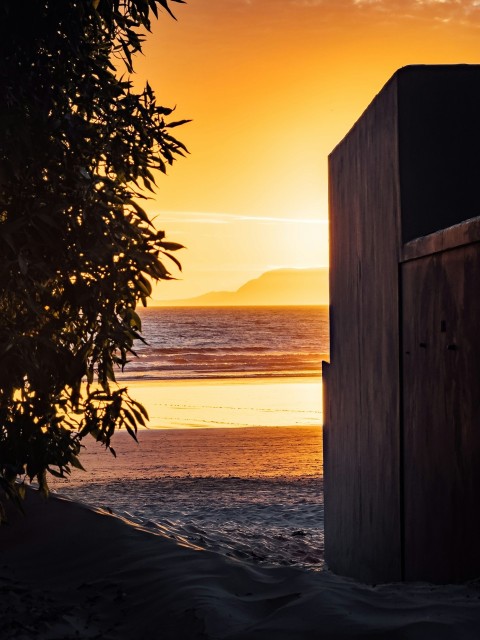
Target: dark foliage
(78, 148)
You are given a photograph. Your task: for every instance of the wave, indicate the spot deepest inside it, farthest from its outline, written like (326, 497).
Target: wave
(220, 343)
(187, 364)
(212, 375)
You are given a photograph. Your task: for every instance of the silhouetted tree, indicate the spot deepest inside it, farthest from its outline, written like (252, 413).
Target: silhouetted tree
(77, 149)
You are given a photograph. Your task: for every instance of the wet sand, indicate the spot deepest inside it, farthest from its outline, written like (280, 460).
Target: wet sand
(230, 403)
(255, 493)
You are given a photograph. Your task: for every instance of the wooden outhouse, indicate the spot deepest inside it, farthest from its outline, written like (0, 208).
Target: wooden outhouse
(402, 390)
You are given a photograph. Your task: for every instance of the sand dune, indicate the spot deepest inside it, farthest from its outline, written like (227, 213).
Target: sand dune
(72, 572)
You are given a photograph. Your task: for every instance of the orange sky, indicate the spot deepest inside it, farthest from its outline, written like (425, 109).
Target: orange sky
(272, 86)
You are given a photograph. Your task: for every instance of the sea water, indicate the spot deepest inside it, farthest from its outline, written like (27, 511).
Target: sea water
(233, 461)
(231, 342)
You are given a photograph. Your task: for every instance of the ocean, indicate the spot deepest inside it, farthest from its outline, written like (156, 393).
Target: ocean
(232, 460)
(231, 342)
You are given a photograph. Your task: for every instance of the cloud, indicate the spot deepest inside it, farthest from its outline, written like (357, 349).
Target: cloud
(452, 7)
(444, 10)
(308, 3)
(408, 4)
(202, 217)
(267, 14)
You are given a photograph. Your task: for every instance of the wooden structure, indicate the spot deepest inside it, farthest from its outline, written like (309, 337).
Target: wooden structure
(402, 392)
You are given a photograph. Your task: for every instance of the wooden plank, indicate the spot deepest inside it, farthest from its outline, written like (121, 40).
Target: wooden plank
(457, 235)
(325, 425)
(362, 500)
(401, 173)
(441, 383)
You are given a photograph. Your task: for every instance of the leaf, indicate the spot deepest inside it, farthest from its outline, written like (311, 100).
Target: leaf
(130, 417)
(173, 259)
(131, 432)
(177, 123)
(21, 491)
(75, 462)
(128, 56)
(144, 286)
(55, 473)
(109, 372)
(141, 408)
(138, 416)
(137, 323)
(171, 246)
(164, 4)
(141, 212)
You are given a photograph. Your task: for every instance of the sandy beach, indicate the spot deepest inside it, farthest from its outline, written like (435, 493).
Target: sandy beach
(248, 492)
(69, 571)
(229, 403)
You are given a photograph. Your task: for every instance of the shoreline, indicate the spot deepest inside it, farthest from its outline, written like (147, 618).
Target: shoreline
(70, 571)
(207, 381)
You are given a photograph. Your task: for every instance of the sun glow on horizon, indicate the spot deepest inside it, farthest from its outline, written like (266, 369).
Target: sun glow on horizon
(245, 247)
(272, 88)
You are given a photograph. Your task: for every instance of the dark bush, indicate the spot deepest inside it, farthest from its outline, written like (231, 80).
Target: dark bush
(78, 149)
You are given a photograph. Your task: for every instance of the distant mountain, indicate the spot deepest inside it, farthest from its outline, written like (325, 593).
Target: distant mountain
(279, 287)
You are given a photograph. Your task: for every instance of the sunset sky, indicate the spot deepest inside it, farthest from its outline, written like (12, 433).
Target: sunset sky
(272, 86)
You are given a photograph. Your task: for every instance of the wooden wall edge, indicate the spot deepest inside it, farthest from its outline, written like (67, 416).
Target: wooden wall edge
(458, 235)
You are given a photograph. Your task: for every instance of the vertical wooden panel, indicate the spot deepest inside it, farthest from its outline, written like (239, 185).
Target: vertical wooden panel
(362, 501)
(402, 415)
(441, 382)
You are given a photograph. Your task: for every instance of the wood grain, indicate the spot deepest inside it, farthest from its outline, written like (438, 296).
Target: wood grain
(402, 397)
(457, 235)
(362, 486)
(441, 382)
